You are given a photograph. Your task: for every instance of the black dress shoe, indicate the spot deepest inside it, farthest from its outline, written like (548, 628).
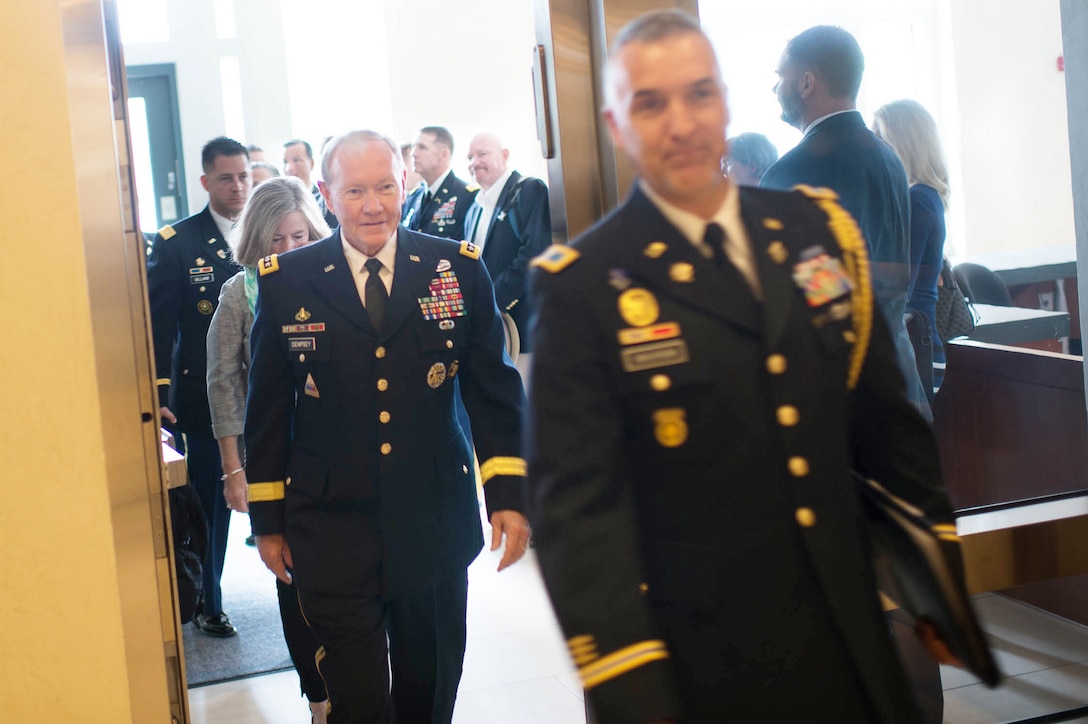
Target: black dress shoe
(218, 625)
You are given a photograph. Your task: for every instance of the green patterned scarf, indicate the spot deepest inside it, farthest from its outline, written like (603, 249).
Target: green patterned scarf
(251, 289)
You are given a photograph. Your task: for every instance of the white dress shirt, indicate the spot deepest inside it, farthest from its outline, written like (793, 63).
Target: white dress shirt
(738, 247)
(487, 201)
(357, 262)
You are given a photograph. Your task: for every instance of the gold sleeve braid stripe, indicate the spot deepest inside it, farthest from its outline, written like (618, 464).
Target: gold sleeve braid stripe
(162, 381)
(265, 492)
(848, 235)
(946, 531)
(620, 662)
(503, 466)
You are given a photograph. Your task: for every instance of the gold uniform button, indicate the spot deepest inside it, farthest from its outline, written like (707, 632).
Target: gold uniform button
(643, 588)
(805, 517)
(788, 416)
(776, 364)
(849, 336)
(464, 469)
(449, 344)
(798, 467)
(660, 383)
(384, 417)
(386, 448)
(383, 385)
(301, 356)
(380, 353)
(288, 481)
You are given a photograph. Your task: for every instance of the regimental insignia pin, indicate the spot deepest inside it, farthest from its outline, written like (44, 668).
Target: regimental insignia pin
(655, 249)
(638, 307)
(413, 257)
(682, 272)
(310, 388)
(200, 261)
(204, 306)
(777, 251)
(500, 216)
(443, 265)
(436, 375)
(329, 268)
(302, 315)
(221, 253)
(454, 366)
(446, 325)
(670, 427)
(619, 280)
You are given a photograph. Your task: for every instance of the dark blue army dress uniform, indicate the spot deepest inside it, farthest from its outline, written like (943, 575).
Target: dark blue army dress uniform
(354, 451)
(698, 529)
(444, 213)
(188, 263)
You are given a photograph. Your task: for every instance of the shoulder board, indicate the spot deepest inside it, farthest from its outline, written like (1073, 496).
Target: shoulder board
(269, 264)
(556, 258)
(470, 250)
(472, 188)
(816, 192)
(167, 231)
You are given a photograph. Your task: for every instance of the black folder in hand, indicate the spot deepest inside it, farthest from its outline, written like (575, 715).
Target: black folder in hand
(919, 566)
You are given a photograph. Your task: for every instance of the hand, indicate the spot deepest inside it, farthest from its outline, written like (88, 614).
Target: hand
(276, 555)
(934, 644)
(165, 414)
(516, 528)
(235, 489)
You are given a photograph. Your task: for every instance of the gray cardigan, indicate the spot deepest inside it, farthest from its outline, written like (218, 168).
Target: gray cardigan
(228, 358)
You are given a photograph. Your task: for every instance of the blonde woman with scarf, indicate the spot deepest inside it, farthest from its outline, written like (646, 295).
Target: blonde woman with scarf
(279, 215)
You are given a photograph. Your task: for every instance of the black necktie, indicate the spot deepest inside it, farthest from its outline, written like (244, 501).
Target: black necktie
(714, 237)
(426, 200)
(376, 295)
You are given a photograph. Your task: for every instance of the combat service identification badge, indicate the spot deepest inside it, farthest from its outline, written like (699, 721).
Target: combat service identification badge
(670, 427)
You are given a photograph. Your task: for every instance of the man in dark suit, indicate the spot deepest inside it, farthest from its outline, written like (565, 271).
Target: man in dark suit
(188, 264)
(819, 78)
(511, 221)
(361, 485)
(707, 371)
(298, 161)
(437, 207)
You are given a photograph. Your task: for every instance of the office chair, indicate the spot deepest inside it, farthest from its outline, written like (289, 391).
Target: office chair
(981, 285)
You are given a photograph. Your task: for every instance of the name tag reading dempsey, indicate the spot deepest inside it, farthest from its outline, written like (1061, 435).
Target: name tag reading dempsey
(654, 355)
(302, 344)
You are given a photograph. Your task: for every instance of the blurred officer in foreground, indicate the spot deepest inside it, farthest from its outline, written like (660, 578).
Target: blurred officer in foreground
(708, 368)
(360, 479)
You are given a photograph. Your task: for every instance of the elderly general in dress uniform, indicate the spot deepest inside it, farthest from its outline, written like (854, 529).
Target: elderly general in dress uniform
(360, 479)
(709, 367)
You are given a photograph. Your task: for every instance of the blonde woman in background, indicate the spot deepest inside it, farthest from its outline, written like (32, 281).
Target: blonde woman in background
(910, 130)
(279, 215)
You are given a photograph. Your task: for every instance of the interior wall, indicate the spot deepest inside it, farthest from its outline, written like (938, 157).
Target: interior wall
(313, 69)
(59, 583)
(1014, 135)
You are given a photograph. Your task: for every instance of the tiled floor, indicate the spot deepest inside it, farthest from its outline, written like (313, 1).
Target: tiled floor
(517, 670)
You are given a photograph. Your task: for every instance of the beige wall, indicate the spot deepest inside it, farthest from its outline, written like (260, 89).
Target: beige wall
(1013, 130)
(61, 644)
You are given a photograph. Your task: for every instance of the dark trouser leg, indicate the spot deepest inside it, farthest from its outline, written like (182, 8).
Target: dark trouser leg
(353, 657)
(427, 634)
(922, 672)
(301, 643)
(204, 470)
